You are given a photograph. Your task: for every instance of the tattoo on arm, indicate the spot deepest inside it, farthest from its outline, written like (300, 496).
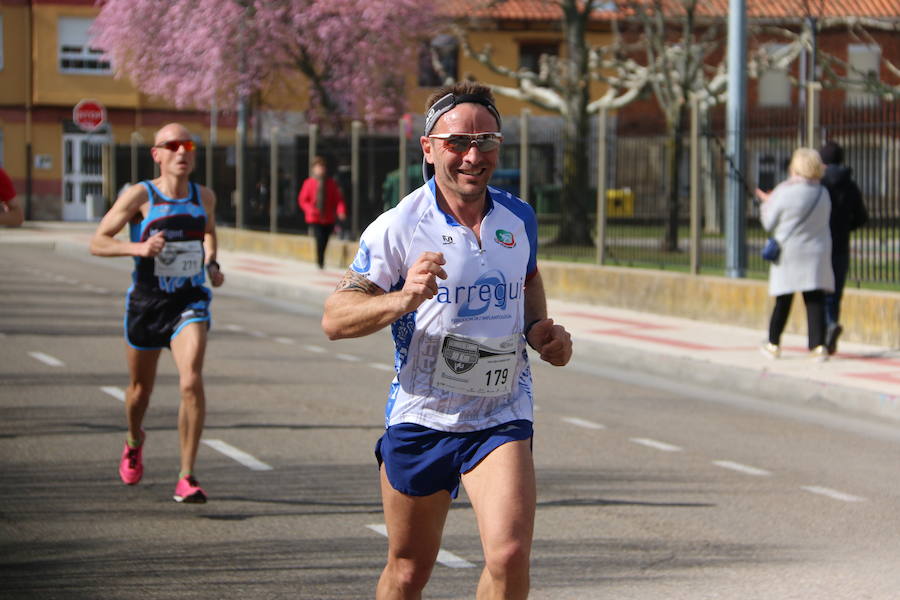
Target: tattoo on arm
(354, 282)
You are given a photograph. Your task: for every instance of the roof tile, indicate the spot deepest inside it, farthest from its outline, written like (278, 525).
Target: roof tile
(544, 10)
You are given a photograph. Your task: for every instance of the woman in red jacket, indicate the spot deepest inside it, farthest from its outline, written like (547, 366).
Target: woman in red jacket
(322, 205)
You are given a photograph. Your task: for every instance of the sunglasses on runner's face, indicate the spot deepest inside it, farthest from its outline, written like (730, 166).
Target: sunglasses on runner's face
(459, 143)
(174, 145)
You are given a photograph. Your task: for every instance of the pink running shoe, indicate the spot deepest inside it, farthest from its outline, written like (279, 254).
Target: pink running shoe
(188, 490)
(131, 467)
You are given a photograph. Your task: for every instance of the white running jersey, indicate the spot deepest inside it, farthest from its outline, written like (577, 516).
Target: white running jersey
(460, 357)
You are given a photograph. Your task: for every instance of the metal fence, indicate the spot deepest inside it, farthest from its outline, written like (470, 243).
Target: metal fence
(638, 191)
(637, 211)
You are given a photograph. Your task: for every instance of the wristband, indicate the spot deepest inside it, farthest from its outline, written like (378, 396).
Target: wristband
(527, 329)
(212, 264)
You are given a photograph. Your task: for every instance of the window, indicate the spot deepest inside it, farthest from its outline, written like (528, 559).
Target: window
(864, 61)
(75, 53)
(438, 60)
(530, 53)
(774, 86)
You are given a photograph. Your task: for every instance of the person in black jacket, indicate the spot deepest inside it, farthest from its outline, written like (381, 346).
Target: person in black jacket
(847, 213)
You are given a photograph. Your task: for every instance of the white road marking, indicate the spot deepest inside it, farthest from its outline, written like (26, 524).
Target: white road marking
(582, 423)
(347, 357)
(47, 359)
(656, 445)
(727, 464)
(316, 349)
(257, 334)
(239, 455)
(382, 367)
(833, 494)
(233, 327)
(448, 559)
(117, 393)
(284, 340)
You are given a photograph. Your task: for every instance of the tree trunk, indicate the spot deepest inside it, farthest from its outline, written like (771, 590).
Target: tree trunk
(575, 196)
(674, 152)
(575, 228)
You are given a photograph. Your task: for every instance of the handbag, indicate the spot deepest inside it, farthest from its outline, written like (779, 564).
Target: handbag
(771, 250)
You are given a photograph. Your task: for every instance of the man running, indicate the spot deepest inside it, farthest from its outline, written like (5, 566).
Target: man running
(453, 270)
(173, 242)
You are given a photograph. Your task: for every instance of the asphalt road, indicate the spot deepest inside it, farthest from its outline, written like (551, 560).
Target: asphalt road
(648, 488)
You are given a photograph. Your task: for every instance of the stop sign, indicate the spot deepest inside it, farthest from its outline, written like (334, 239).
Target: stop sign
(89, 115)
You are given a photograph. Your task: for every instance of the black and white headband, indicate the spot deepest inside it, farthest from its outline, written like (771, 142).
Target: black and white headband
(446, 104)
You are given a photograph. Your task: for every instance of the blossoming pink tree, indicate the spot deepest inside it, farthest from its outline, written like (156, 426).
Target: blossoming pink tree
(351, 55)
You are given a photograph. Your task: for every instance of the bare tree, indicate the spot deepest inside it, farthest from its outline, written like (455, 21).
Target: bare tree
(561, 84)
(840, 73)
(669, 52)
(677, 50)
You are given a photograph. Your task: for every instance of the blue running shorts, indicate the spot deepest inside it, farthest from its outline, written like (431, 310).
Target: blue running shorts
(420, 461)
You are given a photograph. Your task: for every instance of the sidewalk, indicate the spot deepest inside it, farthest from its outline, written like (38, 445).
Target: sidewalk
(860, 378)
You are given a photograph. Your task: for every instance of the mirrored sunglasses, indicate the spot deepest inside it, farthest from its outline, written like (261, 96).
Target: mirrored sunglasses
(174, 145)
(460, 143)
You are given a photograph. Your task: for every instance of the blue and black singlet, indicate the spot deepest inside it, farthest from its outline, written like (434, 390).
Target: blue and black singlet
(183, 222)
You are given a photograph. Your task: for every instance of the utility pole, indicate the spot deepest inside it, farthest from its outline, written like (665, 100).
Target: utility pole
(735, 199)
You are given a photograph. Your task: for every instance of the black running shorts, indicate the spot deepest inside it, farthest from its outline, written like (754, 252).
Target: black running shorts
(152, 320)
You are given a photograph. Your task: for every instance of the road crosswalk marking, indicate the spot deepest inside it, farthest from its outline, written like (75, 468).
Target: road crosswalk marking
(656, 445)
(240, 456)
(47, 359)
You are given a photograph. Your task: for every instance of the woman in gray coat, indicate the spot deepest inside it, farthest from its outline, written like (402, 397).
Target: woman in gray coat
(797, 214)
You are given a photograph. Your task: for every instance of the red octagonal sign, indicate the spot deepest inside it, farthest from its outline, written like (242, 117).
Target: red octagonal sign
(89, 115)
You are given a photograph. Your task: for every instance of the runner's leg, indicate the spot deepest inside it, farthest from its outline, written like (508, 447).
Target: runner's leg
(503, 492)
(414, 526)
(142, 371)
(188, 350)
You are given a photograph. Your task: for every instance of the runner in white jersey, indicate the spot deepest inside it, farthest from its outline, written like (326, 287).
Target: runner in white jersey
(452, 270)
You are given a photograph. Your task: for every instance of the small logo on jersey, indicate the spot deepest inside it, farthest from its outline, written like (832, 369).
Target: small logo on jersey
(459, 355)
(447, 239)
(167, 255)
(362, 263)
(505, 238)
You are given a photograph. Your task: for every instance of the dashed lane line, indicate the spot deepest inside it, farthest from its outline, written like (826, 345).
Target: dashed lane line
(347, 357)
(47, 359)
(583, 423)
(746, 469)
(285, 340)
(238, 455)
(381, 367)
(316, 349)
(833, 494)
(656, 445)
(117, 393)
(448, 559)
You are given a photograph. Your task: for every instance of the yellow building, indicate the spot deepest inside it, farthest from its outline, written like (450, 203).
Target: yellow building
(47, 67)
